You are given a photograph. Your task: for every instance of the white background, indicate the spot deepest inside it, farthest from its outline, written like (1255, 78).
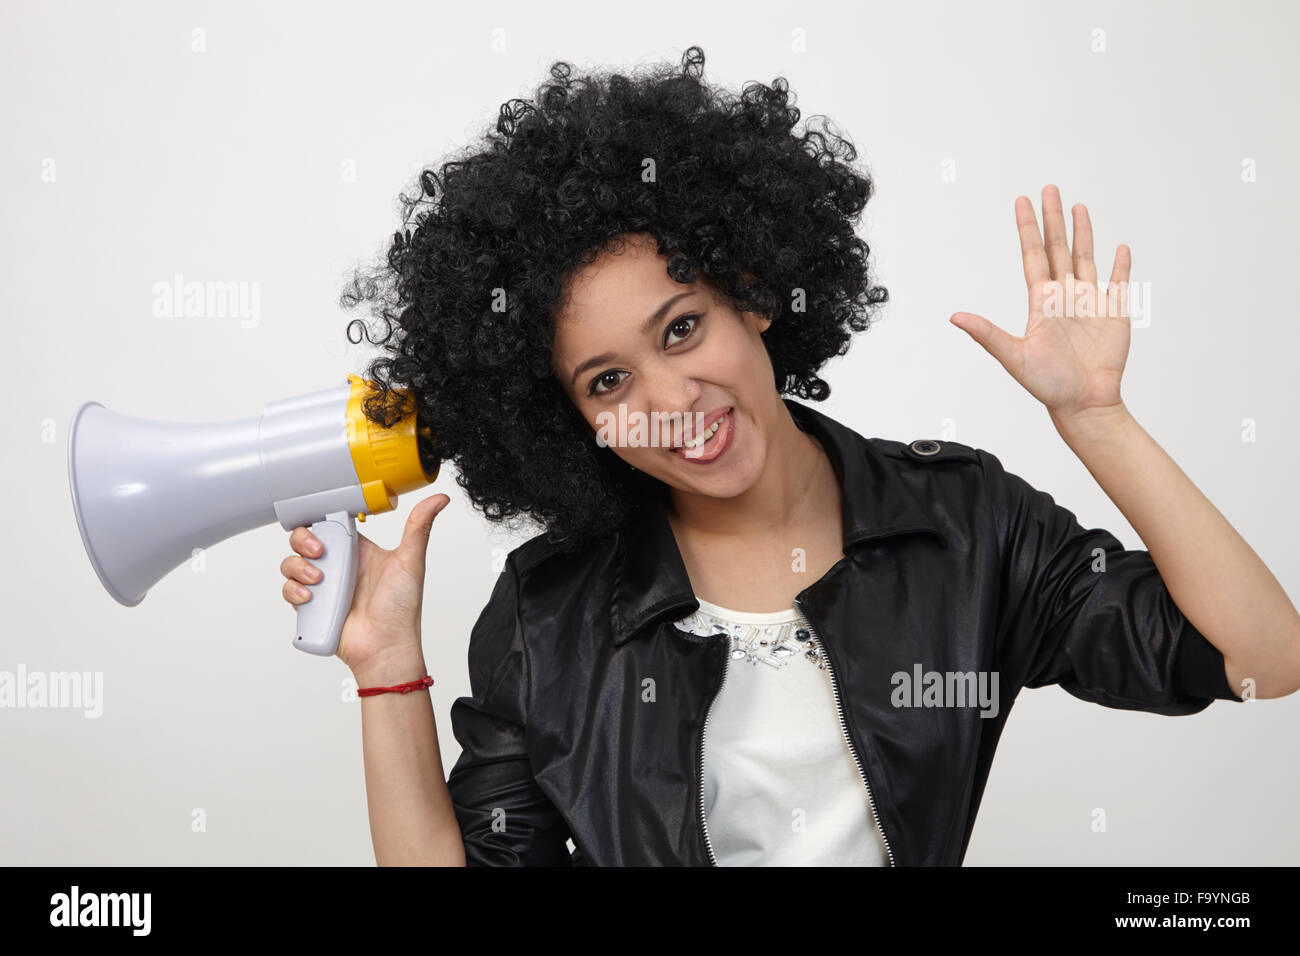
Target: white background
(226, 165)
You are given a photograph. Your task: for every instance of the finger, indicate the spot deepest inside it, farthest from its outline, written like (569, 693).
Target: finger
(997, 342)
(1031, 245)
(415, 536)
(1085, 270)
(1058, 246)
(300, 569)
(304, 542)
(1117, 288)
(295, 593)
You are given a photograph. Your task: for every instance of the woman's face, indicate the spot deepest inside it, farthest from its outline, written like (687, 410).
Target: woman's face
(640, 355)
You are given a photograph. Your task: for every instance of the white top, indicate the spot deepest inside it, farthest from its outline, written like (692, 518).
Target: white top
(781, 787)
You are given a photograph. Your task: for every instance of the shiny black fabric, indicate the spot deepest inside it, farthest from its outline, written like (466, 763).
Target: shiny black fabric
(587, 703)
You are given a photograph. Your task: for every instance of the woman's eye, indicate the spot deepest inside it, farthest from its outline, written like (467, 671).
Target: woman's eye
(692, 319)
(604, 377)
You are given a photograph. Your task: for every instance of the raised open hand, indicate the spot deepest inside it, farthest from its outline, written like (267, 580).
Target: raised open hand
(1072, 354)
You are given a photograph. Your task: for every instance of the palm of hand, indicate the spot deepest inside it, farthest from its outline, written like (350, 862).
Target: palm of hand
(1072, 355)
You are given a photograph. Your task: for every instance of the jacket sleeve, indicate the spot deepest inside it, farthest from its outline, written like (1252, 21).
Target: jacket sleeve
(505, 818)
(1079, 610)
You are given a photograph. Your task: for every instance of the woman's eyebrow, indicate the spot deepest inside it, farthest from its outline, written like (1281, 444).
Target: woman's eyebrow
(646, 326)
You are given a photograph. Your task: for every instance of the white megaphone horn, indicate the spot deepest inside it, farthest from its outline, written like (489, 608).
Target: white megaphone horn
(148, 493)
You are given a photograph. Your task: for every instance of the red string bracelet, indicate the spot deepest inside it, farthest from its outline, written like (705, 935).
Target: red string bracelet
(425, 681)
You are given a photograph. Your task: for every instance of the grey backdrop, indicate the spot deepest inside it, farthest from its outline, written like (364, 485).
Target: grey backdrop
(266, 144)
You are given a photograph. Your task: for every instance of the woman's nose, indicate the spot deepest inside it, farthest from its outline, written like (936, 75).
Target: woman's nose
(673, 397)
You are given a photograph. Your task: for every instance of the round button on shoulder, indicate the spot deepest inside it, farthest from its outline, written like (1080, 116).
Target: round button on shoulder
(925, 447)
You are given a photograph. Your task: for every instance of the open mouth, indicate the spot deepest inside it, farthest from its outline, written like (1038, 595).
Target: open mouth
(711, 442)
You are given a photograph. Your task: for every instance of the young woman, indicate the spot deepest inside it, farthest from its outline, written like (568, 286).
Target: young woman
(747, 635)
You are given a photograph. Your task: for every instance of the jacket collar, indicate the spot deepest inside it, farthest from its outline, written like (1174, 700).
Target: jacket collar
(875, 503)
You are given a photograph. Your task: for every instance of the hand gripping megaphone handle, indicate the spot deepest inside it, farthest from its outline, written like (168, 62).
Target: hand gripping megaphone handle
(320, 620)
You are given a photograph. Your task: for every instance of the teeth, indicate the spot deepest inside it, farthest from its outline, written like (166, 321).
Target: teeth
(704, 436)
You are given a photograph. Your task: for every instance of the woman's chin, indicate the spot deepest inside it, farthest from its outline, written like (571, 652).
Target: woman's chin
(738, 477)
(718, 472)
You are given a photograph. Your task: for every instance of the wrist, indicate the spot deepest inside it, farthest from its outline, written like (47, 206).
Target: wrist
(397, 666)
(1093, 424)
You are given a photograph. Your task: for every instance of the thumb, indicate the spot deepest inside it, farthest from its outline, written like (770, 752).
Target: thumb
(415, 536)
(998, 343)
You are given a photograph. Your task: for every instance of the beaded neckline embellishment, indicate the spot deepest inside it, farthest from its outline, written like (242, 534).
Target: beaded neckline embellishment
(773, 644)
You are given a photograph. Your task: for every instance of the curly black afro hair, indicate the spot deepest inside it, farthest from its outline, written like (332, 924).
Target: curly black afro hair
(737, 200)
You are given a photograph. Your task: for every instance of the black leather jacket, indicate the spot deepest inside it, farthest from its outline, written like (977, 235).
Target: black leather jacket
(588, 706)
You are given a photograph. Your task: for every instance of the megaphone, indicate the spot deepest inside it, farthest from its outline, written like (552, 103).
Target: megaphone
(148, 493)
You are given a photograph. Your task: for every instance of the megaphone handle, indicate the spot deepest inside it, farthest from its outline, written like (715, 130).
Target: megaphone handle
(320, 620)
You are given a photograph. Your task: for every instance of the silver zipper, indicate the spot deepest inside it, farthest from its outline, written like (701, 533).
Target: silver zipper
(704, 825)
(844, 727)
